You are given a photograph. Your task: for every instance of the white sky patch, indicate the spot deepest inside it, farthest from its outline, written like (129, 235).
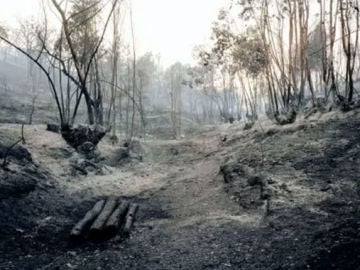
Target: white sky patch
(174, 27)
(11, 11)
(171, 28)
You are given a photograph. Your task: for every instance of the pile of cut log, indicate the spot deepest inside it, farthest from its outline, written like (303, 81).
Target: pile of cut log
(105, 220)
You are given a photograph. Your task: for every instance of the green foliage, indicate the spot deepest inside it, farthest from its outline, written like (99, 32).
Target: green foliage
(145, 68)
(224, 41)
(249, 54)
(83, 27)
(234, 51)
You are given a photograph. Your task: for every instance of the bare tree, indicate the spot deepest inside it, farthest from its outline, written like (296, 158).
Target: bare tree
(75, 55)
(114, 69)
(349, 10)
(175, 79)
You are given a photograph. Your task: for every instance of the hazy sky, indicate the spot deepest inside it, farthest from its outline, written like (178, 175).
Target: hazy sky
(174, 27)
(169, 27)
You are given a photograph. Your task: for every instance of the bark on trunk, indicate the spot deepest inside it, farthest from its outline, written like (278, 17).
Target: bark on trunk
(130, 217)
(98, 225)
(116, 218)
(90, 216)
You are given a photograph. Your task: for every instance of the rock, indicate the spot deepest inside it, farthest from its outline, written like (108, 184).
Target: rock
(248, 125)
(86, 148)
(254, 180)
(121, 153)
(89, 150)
(233, 171)
(135, 150)
(174, 151)
(223, 137)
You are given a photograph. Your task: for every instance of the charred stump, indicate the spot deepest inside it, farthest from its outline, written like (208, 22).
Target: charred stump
(79, 135)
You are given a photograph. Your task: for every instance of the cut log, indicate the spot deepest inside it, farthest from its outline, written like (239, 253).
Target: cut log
(89, 217)
(115, 220)
(130, 217)
(97, 227)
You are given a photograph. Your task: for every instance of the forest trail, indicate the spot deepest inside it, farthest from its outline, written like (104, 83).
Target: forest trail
(189, 218)
(184, 178)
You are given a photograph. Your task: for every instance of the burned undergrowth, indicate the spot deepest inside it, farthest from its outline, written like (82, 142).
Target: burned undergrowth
(320, 232)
